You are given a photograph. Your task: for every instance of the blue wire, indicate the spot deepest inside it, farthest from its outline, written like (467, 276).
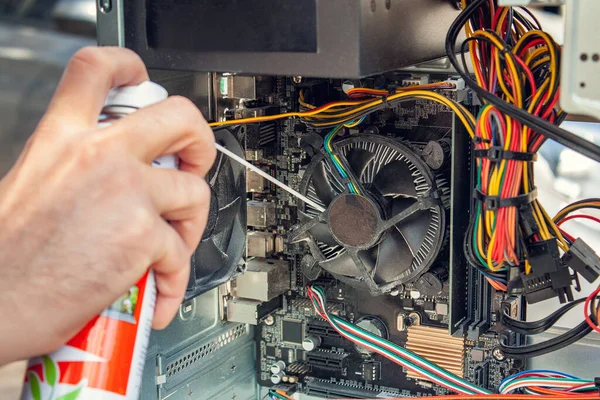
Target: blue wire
(538, 371)
(337, 166)
(493, 277)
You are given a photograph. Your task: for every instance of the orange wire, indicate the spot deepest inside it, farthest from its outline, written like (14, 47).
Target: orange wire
(283, 394)
(506, 396)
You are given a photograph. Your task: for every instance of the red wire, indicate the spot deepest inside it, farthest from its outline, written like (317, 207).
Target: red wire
(533, 43)
(529, 74)
(422, 365)
(578, 216)
(504, 396)
(571, 238)
(586, 308)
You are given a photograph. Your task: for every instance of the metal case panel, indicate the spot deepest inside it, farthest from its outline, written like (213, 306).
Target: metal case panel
(354, 38)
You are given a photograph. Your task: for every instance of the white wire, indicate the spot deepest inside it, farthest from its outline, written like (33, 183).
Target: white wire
(268, 177)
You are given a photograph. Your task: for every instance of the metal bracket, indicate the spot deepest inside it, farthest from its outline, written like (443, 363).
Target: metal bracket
(508, 3)
(580, 69)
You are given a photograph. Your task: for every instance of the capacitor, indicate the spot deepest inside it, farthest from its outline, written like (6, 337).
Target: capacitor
(431, 283)
(278, 367)
(276, 378)
(311, 342)
(293, 379)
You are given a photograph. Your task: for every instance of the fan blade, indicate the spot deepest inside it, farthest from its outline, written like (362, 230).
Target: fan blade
(227, 215)
(321, 233)
(341, 265)
(393, 257)
(323, 188)
(213, 214)
(395, 179)
(214, 171)
(357, 160)
(415, 227)
(208, 259)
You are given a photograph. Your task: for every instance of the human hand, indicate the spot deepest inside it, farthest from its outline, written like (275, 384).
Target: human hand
(83, 214)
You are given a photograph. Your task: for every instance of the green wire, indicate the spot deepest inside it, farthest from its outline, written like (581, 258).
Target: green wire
(276, 395)
(336, 320)
(328, 139)
(537, 379)
(396, 357)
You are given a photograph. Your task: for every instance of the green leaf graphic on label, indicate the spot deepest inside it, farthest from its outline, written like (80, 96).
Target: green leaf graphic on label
(34, 384)
(50, 371)
(70, 396)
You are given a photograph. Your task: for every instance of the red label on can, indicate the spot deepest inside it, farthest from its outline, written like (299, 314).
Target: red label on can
(100, 356)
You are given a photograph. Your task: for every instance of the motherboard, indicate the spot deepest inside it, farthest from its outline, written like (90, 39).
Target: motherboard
(419, 293)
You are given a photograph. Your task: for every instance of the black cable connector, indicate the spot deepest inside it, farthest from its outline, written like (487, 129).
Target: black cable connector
(527, 221)
(550, 277)
(582, 259)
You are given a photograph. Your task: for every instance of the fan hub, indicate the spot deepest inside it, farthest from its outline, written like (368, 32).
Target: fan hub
(354, 220)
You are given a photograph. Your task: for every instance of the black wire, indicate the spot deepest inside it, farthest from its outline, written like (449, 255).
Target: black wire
(528, 23)
(554, 344)
(548, 346)
(562, 136)
(542, 325)
(579, 205)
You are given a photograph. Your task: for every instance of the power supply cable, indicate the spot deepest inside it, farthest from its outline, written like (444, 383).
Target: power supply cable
(545, 128)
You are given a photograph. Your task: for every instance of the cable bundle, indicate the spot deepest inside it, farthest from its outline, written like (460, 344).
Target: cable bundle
(546, 382)
(517, 63)
(351, 113)
(389, 350)
(278, 395)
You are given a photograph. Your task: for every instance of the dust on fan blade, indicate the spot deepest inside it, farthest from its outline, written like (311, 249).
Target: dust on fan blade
(322, 185)
(394, 257)
(395, 179)
(414, 228)
(358, 159)
(322, 234)
(209, 257)
(343, 265)
(227, 215)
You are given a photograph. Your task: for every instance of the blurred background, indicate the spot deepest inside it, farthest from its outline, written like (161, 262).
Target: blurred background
(37, 38)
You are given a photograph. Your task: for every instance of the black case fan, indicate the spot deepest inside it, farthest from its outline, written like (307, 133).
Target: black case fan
(386, 236)
(217, 257)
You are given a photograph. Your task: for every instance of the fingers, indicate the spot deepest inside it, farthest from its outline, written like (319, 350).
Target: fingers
(182, 198)
(171, 270)
(86, 81)
(171, 126)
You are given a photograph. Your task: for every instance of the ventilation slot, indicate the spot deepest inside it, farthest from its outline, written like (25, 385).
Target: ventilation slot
(192, 358)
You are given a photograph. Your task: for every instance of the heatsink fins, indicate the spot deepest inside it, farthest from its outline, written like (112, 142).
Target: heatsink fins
(438, 347)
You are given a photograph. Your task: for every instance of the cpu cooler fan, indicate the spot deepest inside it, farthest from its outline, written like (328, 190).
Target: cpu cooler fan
(387, 234)
(222, 245)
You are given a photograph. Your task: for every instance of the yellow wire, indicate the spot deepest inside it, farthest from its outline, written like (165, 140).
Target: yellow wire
(569, 209)
(280, 116)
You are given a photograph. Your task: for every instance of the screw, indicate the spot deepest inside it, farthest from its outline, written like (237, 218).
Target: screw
(297, 79)
(388, 4)
(373, 5)
(269, 320)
